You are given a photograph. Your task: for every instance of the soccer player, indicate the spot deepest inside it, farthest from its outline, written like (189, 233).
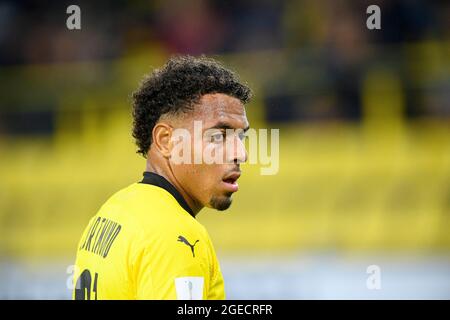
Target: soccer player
(144, 242)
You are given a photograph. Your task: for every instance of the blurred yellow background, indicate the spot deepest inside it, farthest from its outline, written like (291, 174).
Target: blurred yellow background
(375, 185)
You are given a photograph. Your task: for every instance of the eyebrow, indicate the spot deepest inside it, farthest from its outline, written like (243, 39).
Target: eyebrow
(224, 125)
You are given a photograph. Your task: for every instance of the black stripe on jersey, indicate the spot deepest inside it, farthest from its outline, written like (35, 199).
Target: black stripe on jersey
(159, 181)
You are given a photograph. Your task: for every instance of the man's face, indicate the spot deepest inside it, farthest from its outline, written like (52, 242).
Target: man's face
(216, 150)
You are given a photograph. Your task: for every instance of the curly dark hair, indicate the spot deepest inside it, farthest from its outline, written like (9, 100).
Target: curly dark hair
(175, 88)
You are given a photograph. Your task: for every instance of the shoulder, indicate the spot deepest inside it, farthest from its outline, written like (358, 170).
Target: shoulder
(138, 196)
(144, 204)
(151, 213)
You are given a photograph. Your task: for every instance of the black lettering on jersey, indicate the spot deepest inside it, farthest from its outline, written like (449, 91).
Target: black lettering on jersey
(100, 227)
(105, 232)
(108, 247)
(100, 238)
(111, 225)
(107, 238)
(87, 235)
(90, 234)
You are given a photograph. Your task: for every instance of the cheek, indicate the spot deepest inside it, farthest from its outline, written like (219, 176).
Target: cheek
(205, 174)
(197, 176)
(203, 178)
(209, 177)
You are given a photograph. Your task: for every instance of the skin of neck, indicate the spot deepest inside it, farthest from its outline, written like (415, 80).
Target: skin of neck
(157, 163)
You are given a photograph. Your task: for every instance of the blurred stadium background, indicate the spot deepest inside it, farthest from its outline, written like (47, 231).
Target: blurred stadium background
(364, 119)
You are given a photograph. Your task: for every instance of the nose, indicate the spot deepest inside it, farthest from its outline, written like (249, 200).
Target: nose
(240, 153)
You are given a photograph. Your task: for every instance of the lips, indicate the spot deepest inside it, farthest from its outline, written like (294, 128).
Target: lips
(230, 181)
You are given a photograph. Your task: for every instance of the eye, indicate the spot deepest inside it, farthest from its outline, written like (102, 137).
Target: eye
(217, 137)
(242, 135)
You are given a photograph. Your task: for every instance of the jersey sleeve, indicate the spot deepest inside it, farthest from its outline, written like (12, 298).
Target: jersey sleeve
(166, 268)
(216, 289)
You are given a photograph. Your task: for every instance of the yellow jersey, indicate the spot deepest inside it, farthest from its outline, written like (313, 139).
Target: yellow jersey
(144, 243)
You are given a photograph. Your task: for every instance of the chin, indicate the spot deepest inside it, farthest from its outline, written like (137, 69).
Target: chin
(220, 203)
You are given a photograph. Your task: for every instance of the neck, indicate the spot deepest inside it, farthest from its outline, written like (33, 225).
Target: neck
(166, 172)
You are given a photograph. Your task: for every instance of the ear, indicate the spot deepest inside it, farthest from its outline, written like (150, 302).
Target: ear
(161, 136)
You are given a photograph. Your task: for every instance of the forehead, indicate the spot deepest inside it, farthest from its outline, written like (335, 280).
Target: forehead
(219, 107)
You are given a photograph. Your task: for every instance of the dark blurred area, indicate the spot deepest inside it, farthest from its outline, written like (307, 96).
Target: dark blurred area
(325, 48)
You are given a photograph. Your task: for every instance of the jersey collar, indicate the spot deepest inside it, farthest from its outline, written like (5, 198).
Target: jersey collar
(159, 181)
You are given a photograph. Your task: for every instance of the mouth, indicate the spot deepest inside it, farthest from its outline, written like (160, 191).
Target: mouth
(230, 181)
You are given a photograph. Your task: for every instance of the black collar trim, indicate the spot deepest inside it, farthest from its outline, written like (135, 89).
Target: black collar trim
(159, 181)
